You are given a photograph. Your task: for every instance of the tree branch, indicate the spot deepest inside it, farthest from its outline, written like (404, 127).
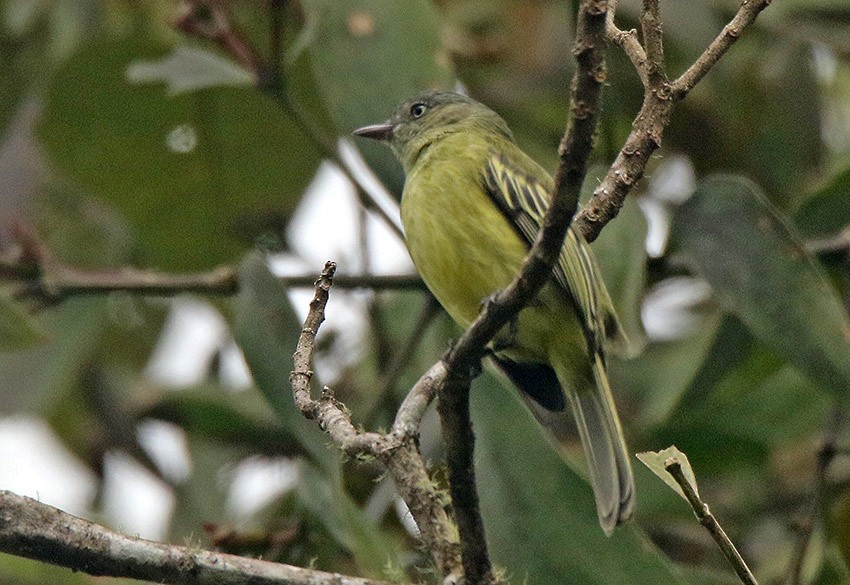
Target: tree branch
(40, 532)
(660, 97)
(45, 279)
(398, 451)
(627, 40)
(745, 16)
(707, 519)
(209, 20)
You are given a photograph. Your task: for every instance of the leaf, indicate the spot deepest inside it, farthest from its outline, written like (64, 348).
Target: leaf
(370, 55)
(760, 272)
(185, 170)
(828, 210)
(661, 375)
(43, 374)
(539, 514)
(188, 69)
(233, 419)
(267, 330)
(658, 461)
(17, 329)
(375, 554)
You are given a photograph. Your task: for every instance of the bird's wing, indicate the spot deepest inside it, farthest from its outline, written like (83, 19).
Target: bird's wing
(524, 199)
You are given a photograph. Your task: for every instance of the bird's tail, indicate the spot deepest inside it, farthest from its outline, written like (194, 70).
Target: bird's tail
(604, 446)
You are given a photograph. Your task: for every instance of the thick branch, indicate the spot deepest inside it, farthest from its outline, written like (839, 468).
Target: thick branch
(40, 532)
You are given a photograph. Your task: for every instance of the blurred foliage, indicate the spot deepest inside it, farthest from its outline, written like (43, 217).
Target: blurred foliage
(156, 149)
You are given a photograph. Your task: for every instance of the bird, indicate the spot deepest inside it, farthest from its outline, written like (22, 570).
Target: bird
(472, 204)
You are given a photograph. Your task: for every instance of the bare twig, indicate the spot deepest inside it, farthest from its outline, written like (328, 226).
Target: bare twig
(398, 451)
(660, 97)
(207, 19)
(650, 22)
(826, 455)
(627, 40)
(37, 531)
(745, 16)
(400, 360)
(45, 279)
(707, 519)
(64, 282)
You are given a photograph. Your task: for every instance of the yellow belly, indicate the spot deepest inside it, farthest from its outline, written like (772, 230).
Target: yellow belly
(461, 244)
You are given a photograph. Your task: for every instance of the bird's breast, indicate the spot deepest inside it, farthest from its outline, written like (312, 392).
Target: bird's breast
(462, 245)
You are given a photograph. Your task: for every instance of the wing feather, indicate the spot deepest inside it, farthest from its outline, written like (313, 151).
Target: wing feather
(524, 199)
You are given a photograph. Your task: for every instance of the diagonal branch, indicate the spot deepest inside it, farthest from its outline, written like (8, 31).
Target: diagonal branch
(40, 532)
(745, 16)
(627, 40)
(210, 20)
(653, 118)
(463, 361)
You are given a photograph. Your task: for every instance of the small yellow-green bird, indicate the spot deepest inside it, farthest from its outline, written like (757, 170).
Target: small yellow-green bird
(472, 204)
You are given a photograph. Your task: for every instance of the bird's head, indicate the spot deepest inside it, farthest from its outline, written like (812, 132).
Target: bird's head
(427, 117)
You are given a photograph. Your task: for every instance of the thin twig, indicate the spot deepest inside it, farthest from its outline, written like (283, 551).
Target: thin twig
(401, 358)
(826, 455)
(398, 451)
(653, 118)
(43, 278)
(745, 16)
(40, 532)
(707, 519)
(68, 282)
(207, 19)
(627, 40)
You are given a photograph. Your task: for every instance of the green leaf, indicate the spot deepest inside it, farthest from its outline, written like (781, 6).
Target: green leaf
(539, 514)
(828, 210)
(657, 462)
(760, 272)
(227, 417)
(376, 554)
(17, 329)
(188, 69)
(661, 375)
(370, 55)
(267, 331)
(46, 373)
(198, 175)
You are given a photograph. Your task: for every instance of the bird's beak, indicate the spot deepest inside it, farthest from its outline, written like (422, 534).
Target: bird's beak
(376, 131)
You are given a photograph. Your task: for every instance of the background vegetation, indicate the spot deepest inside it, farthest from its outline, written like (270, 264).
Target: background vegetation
(131, 140)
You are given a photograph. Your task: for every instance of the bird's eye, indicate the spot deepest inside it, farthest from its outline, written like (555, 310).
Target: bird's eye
(418, 110)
